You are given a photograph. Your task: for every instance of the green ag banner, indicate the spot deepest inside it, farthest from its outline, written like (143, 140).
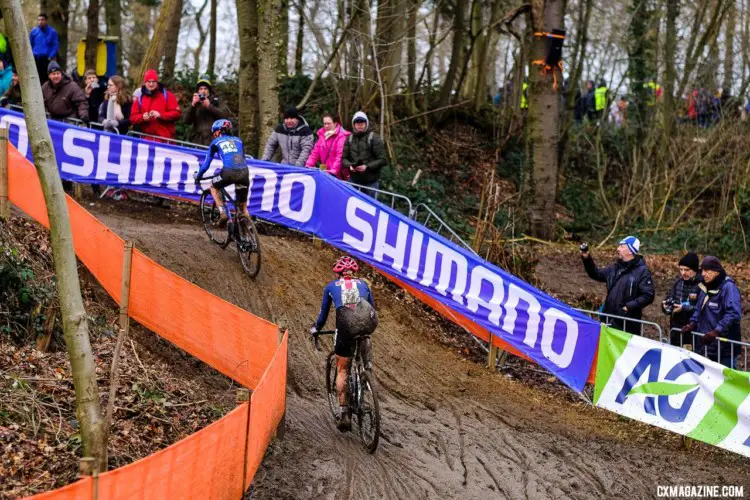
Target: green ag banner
(673, 388)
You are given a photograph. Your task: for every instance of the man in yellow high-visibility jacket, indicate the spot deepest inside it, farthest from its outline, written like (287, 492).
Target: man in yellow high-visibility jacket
(600, 99)
(525, 96)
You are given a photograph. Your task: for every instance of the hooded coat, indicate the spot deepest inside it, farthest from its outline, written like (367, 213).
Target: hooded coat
(329, 152)
(295, 143)
(161, 100)
(629, 284)
(65, 100)
(718, 309)
(364, 148)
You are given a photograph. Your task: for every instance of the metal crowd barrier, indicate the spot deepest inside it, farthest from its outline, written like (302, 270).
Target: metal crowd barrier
(738, 350)
(648, 329)
(439, 225)
(394, 197)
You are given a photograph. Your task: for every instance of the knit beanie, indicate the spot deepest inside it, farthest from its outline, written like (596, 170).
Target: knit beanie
(52, 67)
(711, 263)
(633, 244)
(151, 74)
(690, 260)
(291, 112)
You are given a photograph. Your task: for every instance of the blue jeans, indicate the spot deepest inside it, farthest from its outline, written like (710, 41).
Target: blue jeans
(374, 185)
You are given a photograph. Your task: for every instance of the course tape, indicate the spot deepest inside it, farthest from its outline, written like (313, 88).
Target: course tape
(220, 460)
(448, 277)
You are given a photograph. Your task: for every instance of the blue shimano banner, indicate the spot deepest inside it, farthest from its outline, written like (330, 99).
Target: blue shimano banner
(548, 331)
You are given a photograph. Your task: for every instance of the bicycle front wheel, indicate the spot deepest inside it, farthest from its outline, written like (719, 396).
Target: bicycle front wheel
(368, 414)
(210, 217)
(248, 246)
(333, 396)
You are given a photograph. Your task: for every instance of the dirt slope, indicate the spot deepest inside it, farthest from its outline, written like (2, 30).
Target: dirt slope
(450, 428)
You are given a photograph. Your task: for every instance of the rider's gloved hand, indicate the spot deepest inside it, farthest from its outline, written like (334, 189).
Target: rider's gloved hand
(195, 176)
(313, 330)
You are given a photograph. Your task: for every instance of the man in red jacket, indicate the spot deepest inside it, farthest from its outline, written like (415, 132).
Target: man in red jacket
(155, 110)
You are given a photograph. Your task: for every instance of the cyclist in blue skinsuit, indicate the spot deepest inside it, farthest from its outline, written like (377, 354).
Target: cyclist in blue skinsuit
(355, 317)
(234, 168)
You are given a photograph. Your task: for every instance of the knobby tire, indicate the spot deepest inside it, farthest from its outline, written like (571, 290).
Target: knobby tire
(333, 397)
(368, 415)
(209, 217)
(248, 246)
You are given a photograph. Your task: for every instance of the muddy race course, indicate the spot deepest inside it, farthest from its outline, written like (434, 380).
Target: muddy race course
(451, 429)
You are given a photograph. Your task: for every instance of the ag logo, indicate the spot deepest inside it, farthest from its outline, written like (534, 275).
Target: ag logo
(657, 391)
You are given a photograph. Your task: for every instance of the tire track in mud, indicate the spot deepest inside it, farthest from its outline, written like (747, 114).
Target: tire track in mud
(450, 429)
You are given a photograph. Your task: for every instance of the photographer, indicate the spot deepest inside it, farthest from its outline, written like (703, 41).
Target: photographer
(94, 93)
(629, 285)
(204, 111)
(679, 305)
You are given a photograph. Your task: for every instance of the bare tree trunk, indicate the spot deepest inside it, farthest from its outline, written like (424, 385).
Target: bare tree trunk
(113, 14)
(247, 24)
(459, 28)
(543, 122)
(729, 47)
(202, 36)
(411, 55)
(670, 75)
(59, 14)
(211, 69)
(170, 42)
(488, 48)
(692, 57)
(283, 41)
(155, 50)
(579, 51)
(269, 34)
(299, 49)
(75, 323)
(92, 34)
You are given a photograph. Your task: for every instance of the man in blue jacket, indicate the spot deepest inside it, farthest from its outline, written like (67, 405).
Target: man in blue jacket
(717, 314)
(629, 285)
(44, 45)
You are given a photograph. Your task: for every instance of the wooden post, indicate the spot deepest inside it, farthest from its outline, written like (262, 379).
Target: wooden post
(243, 396)
(281, 429)
(4, 202)
(127, 262)
(492, 354)
(78, 191)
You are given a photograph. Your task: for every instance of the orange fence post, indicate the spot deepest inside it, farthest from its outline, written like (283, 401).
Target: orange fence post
(4, 203)
(281, 428)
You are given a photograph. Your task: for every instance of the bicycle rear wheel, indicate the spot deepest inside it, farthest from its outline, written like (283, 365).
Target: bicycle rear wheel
(248, 246)
(333, 397)
(210, 217)
(368, 414)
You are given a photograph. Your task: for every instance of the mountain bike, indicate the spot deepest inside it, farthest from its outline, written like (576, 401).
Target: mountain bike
(363, 398)
(240, 229)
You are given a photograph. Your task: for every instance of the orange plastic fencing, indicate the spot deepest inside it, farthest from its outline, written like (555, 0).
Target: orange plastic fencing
(220, 460)
(207, 464)
(265, 413)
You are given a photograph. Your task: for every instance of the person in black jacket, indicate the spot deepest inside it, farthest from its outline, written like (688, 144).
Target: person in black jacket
(629, 285)
(679, 305)
(364, 154)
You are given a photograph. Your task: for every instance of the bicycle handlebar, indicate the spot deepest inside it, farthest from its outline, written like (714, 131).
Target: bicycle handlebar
(318, 334)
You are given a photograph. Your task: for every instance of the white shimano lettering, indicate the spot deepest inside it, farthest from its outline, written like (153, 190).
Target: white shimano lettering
(565, 357)
(363, 243)
(308, 197)
(83, 153)
(269, 186)
(474, 300)
(383, 248)
(415, 255)
(121, 168)
(10, 122)
(176, 161)
(449, 259)
(515, 295)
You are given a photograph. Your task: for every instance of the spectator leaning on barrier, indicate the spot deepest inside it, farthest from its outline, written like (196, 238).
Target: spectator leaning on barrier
(629, 285)
(12, 96)
(680, 303)
(204, 110)
(364, 154)
(44, 45)
(114, 112)
(63, 98)
(293, 137)
(155, 110)
(717, 314)
(94, 91)
(329, 148)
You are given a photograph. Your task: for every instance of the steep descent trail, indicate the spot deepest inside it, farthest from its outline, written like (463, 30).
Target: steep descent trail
(450, 428)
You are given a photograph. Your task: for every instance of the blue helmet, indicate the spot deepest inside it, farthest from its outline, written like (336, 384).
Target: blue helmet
(222, 125)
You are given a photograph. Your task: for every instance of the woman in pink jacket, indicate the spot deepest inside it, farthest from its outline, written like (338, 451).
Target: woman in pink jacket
(330, 147)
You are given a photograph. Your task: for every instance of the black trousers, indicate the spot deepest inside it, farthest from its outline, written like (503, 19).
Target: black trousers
(41, 67)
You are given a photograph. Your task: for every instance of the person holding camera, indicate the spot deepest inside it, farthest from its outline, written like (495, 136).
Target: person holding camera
(94, 93)
(679, 305)
(203, 112)
(155, 109)
(630, 287)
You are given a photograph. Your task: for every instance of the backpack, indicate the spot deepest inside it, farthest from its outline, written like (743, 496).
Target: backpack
(140, 98)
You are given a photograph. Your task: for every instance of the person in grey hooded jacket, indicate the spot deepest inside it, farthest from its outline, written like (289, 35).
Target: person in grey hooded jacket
(293, 137)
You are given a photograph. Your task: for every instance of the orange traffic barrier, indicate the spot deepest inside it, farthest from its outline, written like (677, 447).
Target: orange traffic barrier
(220, 460)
